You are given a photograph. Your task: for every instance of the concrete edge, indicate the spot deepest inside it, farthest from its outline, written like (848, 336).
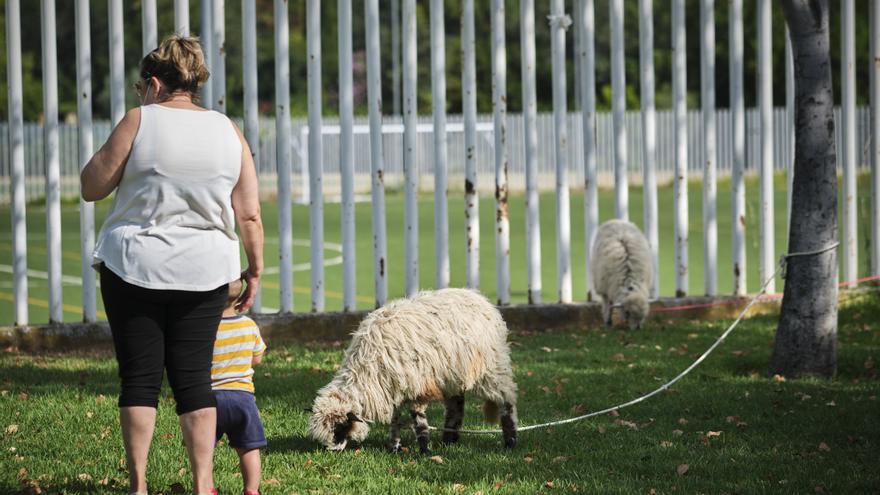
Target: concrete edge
(330, 326)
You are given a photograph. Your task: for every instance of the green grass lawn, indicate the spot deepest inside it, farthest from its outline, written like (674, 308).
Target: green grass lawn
(38, 292)
(735, 430)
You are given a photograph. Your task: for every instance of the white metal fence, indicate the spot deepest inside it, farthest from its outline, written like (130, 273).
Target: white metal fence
(535, 150)
(35, 165)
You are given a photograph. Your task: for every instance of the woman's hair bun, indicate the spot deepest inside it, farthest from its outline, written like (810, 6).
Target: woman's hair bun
(178, 62)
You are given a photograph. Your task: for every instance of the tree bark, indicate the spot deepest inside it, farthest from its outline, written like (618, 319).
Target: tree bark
(806, 338)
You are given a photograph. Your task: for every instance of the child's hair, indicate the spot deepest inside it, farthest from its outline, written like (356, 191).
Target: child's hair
(236, 289)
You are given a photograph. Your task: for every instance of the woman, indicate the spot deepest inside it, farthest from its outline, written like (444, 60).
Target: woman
(183, 176)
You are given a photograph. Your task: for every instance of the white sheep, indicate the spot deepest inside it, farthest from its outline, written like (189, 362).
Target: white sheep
(622, 271)
(436, 345)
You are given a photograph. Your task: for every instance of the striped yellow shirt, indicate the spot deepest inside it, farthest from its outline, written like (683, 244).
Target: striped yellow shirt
(238, 341)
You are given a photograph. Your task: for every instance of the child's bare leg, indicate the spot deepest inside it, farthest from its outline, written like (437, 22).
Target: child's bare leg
(249, 460)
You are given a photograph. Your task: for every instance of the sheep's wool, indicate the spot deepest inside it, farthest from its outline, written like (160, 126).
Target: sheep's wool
(621, 269)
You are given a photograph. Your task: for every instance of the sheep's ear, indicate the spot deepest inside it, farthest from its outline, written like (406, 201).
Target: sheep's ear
(354, 418)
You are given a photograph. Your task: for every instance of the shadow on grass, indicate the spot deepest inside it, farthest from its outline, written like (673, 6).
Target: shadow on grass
(40, 380)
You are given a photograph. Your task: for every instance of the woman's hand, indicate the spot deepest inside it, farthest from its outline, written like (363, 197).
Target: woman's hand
(252, 284)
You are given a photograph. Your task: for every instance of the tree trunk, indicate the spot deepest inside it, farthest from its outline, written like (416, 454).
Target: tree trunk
(806, 338)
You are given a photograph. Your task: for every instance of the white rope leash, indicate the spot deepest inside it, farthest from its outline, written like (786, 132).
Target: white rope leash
(780, 268)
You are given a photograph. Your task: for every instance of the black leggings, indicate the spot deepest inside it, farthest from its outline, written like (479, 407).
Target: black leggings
(155, 330)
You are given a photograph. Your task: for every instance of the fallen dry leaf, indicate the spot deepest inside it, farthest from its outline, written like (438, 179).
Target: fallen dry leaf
(732, 419)
(11, 429)
(666, 444)
(498, 484)
(549, 485)
(618, 357)
(437, 459)
(628, 424)
(457, 487)
(778, 378)
(561, 458)
(22, 473)
(546, 349)
(682, 469)
(682, 421)
(182, 472)
(711, 434)
(602, 429)
(85, 477)
(677, 433)
(615, 413)
(271, 482)
(824, 447)
(528, 459)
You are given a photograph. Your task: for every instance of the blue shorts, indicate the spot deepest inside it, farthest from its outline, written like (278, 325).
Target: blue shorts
(239, 418)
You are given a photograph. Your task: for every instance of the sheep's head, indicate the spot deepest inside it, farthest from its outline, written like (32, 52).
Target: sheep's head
(335, 421)
(635, 307)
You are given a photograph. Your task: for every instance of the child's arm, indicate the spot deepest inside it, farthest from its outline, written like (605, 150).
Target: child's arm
(257, 359)
(259, 350)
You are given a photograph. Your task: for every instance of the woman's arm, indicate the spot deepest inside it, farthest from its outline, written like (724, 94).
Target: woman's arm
(102, 174)
(246, 204)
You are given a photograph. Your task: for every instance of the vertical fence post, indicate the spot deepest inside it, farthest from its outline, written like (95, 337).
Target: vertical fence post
(789, 125)
(395, 57)
(558, 24)
(117, 62)
(16, 160)
(738, 140)
(499, 107)
(618, 105)
(181, 17)
(85, 150)
(218, 54)
(283, 153)
(316, 153)
(410, 147)
(438, 100)
(875, 137)
(346, 156)
(149, 32)
(586, 18)
(206, 35)
(530, 138)
(251, 103)
(765, 99)
(52, 158)
(848, 108)
(377, 167)
(649, 134)
(469, 108)
(680, 184)
(707, 103)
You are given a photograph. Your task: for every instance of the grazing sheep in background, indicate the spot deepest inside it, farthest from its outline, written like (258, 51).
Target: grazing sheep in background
(434, 346)
(622, 272)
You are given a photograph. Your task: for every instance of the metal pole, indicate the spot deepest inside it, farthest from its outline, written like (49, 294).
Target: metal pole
(52, 158)
(395, 57)
(181, 17)
(283, 153)
(16, 161)
(618, 104)
(377, 167)
(218, 54)
(251, 103)
(499, 112)
(848, 108)
(558, 24)
(680, 185)
(738, 135)
(586, 18)
(707, 102)
(530, 134)
(875, 136)
(410, 147)
(765, 99)
(649, 135)
(316, 152)
(789, 122)
(117, 62)
(150, 29)
(206, 35)
(346, 156)
(469, 108)
(438, 98)
(86, 148)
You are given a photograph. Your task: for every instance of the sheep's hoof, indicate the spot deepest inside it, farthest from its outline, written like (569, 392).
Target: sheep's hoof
(450, 437)
(396, 448)
(424, 451)
(510, 443)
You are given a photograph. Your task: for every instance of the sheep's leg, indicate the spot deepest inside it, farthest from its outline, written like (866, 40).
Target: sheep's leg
(607, 308)
(508, 424)
(420, 425)
(396, 422)
(454, 416)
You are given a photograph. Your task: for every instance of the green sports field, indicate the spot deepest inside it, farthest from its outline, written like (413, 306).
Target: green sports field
(38, 292)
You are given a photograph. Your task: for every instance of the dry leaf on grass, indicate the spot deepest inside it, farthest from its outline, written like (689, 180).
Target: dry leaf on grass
(628, 424)
(666, 444)
(528, 459)
(11, 429)
(778, 378)
(711, 434)
(271, 482)
(682, 469)
(84, 477)
(457, 487)
(824, 447)
(677, 433)
(619, 357)
(549, 485)
(437, 459)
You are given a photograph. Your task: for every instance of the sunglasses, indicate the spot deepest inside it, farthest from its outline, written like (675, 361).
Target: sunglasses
(141, 86)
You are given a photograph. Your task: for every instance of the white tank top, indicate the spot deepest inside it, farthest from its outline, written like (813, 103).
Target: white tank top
(171, 225)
